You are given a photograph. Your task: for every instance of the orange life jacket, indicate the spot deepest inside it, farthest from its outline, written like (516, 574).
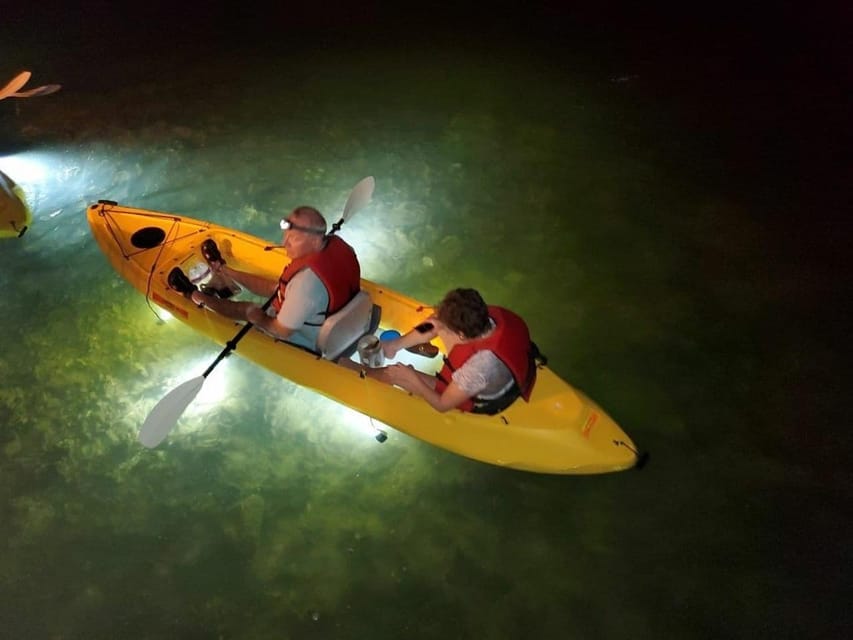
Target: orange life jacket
(509, 341)
(337, 267)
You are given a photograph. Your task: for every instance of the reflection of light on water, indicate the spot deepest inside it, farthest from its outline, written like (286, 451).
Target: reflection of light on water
(369, 253)
(216, 387)
(27, 167)
(334, 426)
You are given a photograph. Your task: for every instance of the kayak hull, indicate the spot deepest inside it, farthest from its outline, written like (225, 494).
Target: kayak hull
(559, 431)
(15, 215)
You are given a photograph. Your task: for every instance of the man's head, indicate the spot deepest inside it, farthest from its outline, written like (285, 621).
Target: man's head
(463, 311)
(304, 232)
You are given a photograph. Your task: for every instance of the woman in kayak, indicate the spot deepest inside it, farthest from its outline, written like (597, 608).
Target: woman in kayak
(489, 362)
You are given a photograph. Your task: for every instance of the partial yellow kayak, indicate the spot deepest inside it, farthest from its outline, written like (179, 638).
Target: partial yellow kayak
(559, 431)
(15, 215)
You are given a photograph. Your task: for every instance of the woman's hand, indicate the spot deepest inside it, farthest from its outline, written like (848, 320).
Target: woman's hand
(401, 375)
(390, 347)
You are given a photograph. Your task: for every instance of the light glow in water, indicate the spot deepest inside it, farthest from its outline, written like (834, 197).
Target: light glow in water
(365, 426)
(350, 430)
(163, 315)
(213, 391)
(215, 386)
(28, 167)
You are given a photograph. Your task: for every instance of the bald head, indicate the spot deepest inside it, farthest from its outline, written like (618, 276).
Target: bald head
(306, 233)
(309, 217)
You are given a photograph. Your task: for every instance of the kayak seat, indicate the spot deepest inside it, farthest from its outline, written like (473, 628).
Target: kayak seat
(341, 331)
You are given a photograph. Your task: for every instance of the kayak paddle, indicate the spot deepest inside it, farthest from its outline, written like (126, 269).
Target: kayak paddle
(171, 407)
(14, 84)
(44, 90)
(11, 90)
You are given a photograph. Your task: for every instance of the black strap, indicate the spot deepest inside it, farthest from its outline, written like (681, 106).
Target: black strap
(496, 405)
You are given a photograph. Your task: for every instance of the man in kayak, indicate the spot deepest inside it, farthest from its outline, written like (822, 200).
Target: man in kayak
(490, 358)
(322, 276)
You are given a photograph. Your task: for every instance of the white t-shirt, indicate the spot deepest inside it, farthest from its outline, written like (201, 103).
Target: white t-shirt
(484, 375)
(305, 300)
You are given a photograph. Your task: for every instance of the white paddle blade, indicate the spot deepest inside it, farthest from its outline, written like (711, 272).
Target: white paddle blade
(14, 84)
(44, 90)
(359, 196)
(165, 415)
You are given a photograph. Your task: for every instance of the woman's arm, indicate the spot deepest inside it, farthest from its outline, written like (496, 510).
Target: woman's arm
(424, 332)
(423, 385)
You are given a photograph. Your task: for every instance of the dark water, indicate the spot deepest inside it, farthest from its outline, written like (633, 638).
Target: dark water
(664, 203)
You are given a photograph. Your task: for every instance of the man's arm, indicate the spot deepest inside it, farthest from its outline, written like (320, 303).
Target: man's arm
(259, 285)
(261, 320)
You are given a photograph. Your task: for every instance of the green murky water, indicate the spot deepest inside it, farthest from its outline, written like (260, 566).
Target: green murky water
(555, 189)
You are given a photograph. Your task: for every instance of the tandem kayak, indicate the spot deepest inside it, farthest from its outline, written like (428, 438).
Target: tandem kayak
(15, 215)
(559, 430)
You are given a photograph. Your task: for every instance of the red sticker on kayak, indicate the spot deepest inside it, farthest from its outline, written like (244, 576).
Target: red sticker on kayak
(168, 305)
(590, 423)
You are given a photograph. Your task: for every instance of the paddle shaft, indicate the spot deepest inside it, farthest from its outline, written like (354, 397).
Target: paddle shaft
(231, 345)
(44, 90)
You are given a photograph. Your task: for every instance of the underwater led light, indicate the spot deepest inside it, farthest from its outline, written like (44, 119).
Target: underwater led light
(145, 311)
(366, 426)
(164, 315)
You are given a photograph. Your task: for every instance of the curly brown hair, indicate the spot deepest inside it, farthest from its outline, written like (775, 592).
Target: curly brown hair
(464, 311)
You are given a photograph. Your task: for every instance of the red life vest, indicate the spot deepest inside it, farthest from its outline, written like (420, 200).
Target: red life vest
(335, 265)
(509, 341)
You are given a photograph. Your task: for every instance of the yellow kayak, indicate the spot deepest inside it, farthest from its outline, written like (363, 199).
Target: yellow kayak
(15, 215)
(559, 431)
